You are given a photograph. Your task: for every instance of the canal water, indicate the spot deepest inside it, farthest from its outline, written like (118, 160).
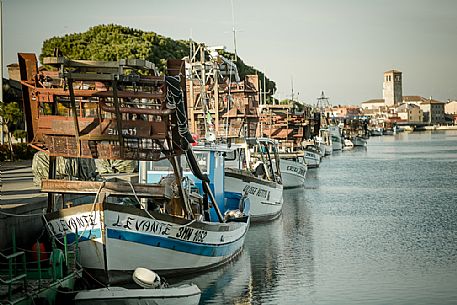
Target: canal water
(372, 226)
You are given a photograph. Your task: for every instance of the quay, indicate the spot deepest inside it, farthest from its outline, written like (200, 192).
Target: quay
(20, 201)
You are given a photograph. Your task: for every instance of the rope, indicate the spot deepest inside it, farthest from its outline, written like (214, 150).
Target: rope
(139, 201)
(85, 227)
(20, 215)
(175, 100)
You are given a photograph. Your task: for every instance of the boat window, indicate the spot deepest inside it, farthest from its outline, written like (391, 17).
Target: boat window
(202, 160)
(162, 165)
(230, 155)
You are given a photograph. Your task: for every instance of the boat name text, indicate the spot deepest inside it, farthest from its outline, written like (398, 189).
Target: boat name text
(257, 191)
(73, 223)
(157, 227)
(297, 170)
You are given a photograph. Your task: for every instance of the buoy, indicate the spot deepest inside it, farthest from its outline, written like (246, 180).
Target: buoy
(146, 278)
(43, 254)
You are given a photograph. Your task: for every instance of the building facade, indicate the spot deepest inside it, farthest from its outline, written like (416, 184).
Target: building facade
(433, 111)
(450, 107)
(410, 113)
(392, 88)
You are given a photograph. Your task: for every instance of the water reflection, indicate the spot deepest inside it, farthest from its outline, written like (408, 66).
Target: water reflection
(374, 226)
(230, 284)
(264, 243)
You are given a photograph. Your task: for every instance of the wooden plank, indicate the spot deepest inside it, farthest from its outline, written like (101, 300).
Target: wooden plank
(113, 188)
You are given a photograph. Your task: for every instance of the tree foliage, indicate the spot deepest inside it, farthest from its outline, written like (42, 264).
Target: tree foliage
(114, 42)
(11, 114)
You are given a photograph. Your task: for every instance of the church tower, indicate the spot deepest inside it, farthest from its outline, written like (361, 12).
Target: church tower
(392, 88)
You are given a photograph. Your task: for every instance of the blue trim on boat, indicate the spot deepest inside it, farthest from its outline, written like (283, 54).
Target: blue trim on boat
(83, 236)
(177, 244)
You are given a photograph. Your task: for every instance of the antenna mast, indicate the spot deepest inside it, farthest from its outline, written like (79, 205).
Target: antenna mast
(234, 31)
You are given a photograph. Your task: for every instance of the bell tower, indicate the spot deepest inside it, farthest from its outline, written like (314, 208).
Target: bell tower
(392, 88)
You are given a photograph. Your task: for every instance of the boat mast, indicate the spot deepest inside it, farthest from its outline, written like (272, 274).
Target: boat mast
(234, 31)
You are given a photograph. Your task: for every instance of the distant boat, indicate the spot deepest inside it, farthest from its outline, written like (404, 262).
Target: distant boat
(293, 169)
(378, 131)
(348, 144)
(325, 139)
(398, 129)
(335, 133)
(312, 156)
(388, 132)
(359, 141)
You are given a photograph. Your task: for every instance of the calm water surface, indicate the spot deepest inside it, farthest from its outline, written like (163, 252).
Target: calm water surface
(372, 226)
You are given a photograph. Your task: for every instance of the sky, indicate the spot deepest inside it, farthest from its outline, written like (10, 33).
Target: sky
(341, 47)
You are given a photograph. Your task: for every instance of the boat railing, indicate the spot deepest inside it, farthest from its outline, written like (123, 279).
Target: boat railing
(43, 269)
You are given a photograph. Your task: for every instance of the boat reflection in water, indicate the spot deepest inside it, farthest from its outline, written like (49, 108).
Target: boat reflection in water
(276, 266)
(230, 284)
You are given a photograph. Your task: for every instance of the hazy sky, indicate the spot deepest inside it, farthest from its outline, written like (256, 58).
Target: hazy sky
(339, 46)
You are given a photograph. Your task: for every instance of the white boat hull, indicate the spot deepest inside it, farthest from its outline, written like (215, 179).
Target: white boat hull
(335, 134)
(358, 141)
(127, 238)
(185, 294)
(312, 159)
(265, 196)
(322, 149)
(328, 150)
(293, 173)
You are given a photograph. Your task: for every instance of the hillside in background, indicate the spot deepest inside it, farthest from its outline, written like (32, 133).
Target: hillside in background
(114, 42)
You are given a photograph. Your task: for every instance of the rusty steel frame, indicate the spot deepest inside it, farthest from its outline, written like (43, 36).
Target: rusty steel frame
(113, 133)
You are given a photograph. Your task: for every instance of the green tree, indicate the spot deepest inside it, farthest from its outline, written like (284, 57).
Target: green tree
(11, 114)
(114, 42)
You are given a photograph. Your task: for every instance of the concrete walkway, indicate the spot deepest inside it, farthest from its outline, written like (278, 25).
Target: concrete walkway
(21, 204)
(16, 185)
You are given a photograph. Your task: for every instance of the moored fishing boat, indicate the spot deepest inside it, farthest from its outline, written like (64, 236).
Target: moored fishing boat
(253, 169)
(335, 134)
(167, 227)
(347, 144)
(293, 169)
(325, 139)
(312, 156)
(359, 141)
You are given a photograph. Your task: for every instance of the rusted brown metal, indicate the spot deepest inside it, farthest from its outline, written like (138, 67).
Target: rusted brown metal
(214, 95)
(95, 109)
(29, 69)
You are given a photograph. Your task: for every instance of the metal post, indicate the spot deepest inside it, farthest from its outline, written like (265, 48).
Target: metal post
(39, 263)
(75, 116)
(216, 102)
(264, 89)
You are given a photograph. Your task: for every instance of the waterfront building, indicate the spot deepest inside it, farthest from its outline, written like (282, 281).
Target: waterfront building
(450, 111)
(392, 88)
(450, 107)
(392, 94)
(433, 109)
(373, 104)
(410, 113)
(343, 111)
(391, 105)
